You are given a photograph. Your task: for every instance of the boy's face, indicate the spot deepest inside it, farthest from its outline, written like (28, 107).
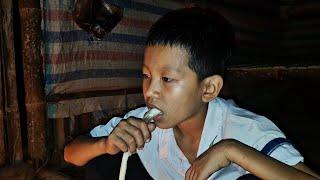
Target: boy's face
(171, 86)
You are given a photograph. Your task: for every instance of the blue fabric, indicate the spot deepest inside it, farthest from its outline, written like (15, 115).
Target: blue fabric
(273, 144)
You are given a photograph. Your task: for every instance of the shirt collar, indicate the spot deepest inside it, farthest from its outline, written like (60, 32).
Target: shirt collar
(212, 129)
(211, 133)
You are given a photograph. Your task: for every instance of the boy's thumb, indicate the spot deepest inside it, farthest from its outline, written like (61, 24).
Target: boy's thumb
(151, 126)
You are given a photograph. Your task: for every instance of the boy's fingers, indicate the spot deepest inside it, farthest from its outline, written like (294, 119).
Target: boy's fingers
(190, 175)
(151, 126)
(136, 132)
(187, 176)
(116, 144)
(129, 140)
(143, 128)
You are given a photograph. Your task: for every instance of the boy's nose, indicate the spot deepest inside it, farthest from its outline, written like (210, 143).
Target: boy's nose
(152, 89)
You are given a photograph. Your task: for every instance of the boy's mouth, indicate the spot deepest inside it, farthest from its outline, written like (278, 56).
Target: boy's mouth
(157, 116)
(150, 106)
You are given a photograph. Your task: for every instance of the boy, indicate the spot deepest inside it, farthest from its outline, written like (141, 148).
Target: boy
(197, 135)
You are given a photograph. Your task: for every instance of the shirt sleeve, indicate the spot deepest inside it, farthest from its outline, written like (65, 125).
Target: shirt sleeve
(105, 130)
(287, 154)
(257, 131)
(283, 151)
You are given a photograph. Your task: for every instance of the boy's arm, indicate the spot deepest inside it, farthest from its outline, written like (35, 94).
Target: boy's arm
(128, 135)
(83, 149)
(262, 166)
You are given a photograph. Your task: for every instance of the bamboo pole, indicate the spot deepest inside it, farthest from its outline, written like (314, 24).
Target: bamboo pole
(30, 17)
(9, 86)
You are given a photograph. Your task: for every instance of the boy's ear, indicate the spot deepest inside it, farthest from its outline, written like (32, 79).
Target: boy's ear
(211, 87)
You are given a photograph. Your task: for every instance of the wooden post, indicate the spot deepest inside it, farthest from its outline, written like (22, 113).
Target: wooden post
(59, 133)
(30, 17)
(84, 123)
(2, 145)
(11, 112)
(59, 140)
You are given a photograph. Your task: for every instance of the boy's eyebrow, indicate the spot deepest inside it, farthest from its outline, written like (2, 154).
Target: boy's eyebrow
(167, 68)
(144, 66)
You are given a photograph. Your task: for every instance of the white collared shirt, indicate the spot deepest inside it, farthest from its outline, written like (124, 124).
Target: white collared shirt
(164, 160)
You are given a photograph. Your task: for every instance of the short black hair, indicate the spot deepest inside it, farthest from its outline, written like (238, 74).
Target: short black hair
(206, 35)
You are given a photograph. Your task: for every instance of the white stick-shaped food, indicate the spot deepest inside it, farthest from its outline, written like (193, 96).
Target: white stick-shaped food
(147, 117)
(123, 167)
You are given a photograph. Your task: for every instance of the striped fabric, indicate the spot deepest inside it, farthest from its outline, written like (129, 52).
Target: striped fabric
(75, 61)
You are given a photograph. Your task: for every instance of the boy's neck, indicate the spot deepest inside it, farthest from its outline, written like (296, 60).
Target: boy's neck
(191, 128)
(188, 134)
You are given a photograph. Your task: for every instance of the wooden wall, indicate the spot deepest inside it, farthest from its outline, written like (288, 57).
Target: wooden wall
(287, 96)
(257, 30)
(10, 134)
(300, 24)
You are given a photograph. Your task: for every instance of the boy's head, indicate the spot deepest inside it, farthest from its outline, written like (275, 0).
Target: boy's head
(183, 64)
(206, 35)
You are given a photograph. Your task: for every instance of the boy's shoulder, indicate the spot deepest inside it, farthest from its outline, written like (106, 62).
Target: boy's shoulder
(258, 132)
(246, 126)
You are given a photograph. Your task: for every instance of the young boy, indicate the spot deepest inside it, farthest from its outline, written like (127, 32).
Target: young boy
(197, 135)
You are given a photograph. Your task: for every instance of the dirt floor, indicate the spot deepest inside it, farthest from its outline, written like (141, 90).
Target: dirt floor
(24, 171)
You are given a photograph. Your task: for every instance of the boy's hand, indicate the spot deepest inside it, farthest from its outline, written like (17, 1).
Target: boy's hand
(215, 158)
(129, 135)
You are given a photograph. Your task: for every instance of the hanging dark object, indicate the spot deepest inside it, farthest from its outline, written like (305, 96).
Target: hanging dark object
(96, 16)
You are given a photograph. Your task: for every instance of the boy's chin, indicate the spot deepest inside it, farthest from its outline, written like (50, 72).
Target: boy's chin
(162, 125)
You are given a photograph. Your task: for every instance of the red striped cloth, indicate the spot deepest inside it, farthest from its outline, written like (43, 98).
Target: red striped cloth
(76, 62)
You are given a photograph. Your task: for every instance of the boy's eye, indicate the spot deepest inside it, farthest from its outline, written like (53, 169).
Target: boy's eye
(166, 79)
(145, 76)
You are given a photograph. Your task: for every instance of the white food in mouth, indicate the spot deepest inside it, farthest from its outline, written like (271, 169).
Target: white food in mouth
(150, 114)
